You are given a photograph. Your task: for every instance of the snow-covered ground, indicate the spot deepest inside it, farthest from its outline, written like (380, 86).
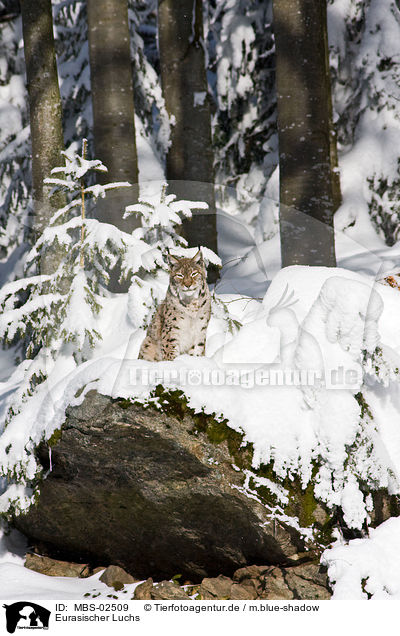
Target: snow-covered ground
(313, 320)
(367, 568)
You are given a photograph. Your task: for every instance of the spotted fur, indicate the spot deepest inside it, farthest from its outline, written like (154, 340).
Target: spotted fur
(180, 323)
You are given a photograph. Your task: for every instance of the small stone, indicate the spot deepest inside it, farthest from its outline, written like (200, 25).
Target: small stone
(143, 591)
(53, 567)
(168, 591)
(219, 587)
(116, 577)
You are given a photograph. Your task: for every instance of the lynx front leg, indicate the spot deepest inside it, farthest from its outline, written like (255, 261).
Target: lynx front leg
(149, 350)
(169, 346)
(199, 349)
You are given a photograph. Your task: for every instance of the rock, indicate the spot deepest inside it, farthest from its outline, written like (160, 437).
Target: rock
(166, 590)
(116, 577)
(250, 572)
(275, 586)
(219, 587)
(308, 581)
(53, 567)
(303, 581)
(143, 591)
(243, 592)
(384, 506)
(152, 492)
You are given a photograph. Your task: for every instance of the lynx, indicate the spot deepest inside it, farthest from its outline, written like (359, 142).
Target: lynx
(180, 322)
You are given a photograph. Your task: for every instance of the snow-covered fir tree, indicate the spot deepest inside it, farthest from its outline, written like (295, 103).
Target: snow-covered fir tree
(53, 314)
(365, 71)
(242, 79)
(15, 177)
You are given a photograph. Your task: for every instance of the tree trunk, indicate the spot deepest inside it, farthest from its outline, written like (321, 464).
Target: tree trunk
(189, 169)
(309, 188)
(113, 105)
(44, 110)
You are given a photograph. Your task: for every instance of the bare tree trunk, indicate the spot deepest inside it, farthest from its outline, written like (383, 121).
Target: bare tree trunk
(44, 109)
(113, 105)
(309, 188)
(335, 176)
(190, 172)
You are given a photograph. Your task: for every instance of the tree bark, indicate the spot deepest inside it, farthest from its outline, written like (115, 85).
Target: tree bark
(309, 187)
(113, 105)
(189, 168)
(44, 109)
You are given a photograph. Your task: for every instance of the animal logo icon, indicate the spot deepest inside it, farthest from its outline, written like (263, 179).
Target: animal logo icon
(27, 615)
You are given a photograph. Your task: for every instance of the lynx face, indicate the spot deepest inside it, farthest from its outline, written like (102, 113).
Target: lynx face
(187, 277)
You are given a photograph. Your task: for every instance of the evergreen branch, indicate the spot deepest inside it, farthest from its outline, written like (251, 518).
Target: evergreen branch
(17, 318)
(18, 286)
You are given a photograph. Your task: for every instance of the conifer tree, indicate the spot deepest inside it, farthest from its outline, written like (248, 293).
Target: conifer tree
(54, 313)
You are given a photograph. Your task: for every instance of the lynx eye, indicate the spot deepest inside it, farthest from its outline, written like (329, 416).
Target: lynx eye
(193, 274)
(178, 275)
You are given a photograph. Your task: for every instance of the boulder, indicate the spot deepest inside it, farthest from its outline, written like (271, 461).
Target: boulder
(153, 492)
(303, 582)
(54, 567)
(219, 587)
(116, 577)
(167, 590)
(143, 590)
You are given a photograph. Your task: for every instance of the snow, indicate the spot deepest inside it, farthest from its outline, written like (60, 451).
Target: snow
(288, 351)
(253, 378)
(312, 319)
(369, 567)
(237, 37)
(199, 98)
(366, 110)
(18, 582)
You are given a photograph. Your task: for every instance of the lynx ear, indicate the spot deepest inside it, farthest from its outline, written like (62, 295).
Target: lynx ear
(173, 260)
(198, 257)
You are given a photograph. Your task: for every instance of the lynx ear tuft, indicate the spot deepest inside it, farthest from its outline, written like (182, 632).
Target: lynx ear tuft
(173, 260)
(198, 257)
